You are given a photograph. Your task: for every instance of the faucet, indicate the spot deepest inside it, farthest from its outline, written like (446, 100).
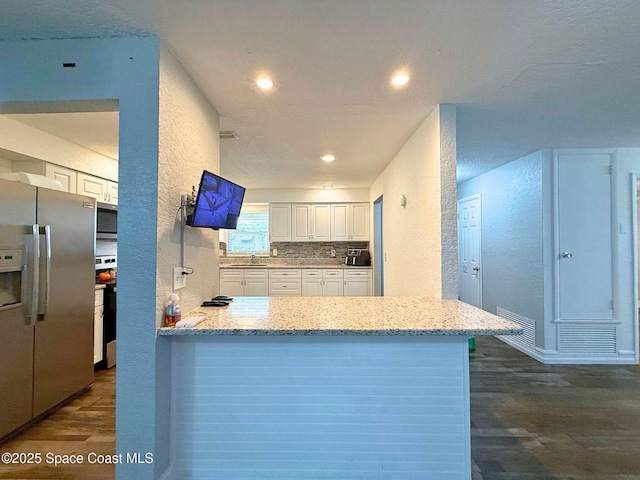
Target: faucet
(253, 258)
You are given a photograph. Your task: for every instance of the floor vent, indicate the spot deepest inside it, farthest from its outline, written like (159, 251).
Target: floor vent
(586, 339)
(528, 338)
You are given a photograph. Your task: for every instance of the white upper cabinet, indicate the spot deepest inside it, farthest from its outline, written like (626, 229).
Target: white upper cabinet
(360, 221)
(350, 221)
(99, 188)
(300, 222)
(318, 222)
(112, 192)
(321, 223)
(92, 186)
(310, 222)
(280, 222)
(66, 176)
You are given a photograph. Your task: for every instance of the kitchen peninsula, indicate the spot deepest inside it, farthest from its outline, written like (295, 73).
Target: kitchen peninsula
(345, 388)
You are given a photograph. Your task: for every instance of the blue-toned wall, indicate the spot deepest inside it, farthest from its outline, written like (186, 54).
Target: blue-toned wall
(168, 133)
(125, 72)
(512, 235)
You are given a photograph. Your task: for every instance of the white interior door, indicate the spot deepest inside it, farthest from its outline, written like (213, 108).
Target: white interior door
(469, 250)
(585, 240)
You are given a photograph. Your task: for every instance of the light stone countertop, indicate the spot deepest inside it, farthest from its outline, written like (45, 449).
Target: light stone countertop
(373, 316)
(294, 266)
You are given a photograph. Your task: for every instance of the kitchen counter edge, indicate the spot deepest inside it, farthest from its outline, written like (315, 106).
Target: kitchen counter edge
(352, 316)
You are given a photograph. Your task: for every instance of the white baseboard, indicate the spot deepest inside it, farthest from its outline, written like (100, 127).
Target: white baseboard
(555, 358)
(535, 354)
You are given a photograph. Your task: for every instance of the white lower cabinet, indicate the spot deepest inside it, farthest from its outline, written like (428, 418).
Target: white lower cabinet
(244, 282)
(285, 282)
(295, 282)
(357, 283)
(322, 283)
(98, 315)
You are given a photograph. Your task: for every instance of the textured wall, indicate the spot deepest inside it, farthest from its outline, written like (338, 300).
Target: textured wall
(512, 235)
(188, 144)
(412, 234)
(448, 204)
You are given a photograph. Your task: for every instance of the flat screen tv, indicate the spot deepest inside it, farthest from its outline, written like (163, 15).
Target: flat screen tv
(218, 203)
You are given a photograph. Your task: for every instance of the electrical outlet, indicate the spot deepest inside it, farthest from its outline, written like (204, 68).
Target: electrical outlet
(333, 253)
(179, 280)
(275, 252)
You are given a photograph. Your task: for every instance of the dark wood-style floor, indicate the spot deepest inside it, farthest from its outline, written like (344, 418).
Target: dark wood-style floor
(85, 425)
(529, 422)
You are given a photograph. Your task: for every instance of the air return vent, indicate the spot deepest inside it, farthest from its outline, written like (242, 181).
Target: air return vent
(228, 134)
(586, 339)
(528, 338)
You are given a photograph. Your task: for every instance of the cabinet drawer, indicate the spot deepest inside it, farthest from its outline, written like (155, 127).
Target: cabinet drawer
(279, 288)
(255, 273)
(284, 273)
(311, 273)
(332, 273)
(364, 273)
(99, 297)
(230, 273)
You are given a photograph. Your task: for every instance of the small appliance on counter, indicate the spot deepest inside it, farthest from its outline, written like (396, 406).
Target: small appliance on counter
(357, 257)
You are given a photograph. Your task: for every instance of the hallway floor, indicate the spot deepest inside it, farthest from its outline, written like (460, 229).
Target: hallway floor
(529, 422)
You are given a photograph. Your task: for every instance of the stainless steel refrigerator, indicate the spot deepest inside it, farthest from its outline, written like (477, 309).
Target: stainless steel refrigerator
(47, 282)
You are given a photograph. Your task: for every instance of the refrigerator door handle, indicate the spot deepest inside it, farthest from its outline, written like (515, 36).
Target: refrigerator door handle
(35, 279)
(44, 302)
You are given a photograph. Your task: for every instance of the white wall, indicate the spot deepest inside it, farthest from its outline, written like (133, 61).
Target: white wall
(5, 166)
(512, 236)
(627, 163)
(125, 70)
(28, 143)
(420, 238)
(188, 143)
(307, 195)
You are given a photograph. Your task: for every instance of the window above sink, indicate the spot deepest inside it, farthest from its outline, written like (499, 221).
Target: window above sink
(252, 233)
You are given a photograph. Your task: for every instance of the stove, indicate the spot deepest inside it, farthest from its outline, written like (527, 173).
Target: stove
(108, 264)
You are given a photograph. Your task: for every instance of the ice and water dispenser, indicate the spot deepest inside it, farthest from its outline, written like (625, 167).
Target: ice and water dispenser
(12, 278)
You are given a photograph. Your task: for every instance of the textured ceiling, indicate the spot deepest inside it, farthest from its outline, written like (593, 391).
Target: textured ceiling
(525, 75)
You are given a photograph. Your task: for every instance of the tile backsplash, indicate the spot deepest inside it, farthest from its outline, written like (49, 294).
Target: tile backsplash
(309, 250)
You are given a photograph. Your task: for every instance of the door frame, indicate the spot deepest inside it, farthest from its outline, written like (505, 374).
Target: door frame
(378, 247)
(477, 196)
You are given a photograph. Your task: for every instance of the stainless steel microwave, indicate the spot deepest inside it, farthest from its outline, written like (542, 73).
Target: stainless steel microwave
(106, 221)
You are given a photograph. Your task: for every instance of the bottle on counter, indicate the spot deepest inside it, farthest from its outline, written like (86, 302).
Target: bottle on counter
(172, 311)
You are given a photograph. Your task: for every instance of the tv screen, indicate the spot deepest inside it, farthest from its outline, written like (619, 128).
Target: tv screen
(218, 203)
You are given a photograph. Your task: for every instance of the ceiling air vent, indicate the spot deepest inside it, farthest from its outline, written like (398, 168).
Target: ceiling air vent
(228, 134)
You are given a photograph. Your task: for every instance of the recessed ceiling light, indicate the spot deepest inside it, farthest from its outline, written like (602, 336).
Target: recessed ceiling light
(328, 187)
(328, 157)
(400, 79)
(264, 83)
